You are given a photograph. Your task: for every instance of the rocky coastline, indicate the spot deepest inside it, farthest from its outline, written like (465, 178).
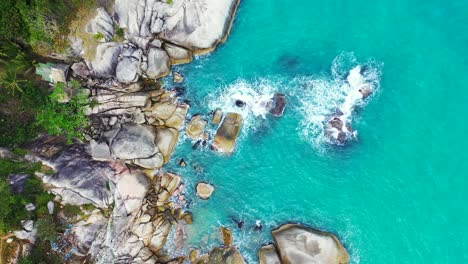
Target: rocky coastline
(136, 122)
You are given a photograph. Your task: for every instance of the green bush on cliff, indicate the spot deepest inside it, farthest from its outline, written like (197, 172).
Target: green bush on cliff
(66, 119)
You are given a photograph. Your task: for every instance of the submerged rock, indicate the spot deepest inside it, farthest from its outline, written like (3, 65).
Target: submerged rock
(226, 136)
(268, 255)
(299, 244)
(205, 190)
(278, 104)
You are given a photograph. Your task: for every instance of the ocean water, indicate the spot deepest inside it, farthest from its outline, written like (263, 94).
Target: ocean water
(397, 193)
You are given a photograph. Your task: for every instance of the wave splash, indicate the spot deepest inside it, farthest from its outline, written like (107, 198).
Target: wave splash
(255, 96)
(327, 103)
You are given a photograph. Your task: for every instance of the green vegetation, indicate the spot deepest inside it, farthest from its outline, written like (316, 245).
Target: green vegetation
(44, 24)
(98, 36)
(66, 119)
(12, 206)
(170, 2)
(42, 253)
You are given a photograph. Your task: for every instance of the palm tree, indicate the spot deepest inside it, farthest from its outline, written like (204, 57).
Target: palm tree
(10, 82)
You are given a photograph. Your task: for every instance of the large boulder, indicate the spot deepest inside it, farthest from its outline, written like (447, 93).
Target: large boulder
(166, 141)
(128, 69)
(132, 189)
(79, 179)
(101, 24)
(200, 25)
(159, 64)
(268, 255)
(197, 25)
(300, 244)
(177, 54)
(195, 127)
(134, 142)
(226, 136)
(222, 255)
(205, 190)
(105, 62)
(279, 104)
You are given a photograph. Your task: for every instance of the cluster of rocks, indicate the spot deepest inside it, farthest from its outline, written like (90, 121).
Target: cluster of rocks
(142, 206)
(299, 244)
(157, 34)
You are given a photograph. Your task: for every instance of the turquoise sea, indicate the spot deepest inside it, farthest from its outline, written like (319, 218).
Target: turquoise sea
(395, 195)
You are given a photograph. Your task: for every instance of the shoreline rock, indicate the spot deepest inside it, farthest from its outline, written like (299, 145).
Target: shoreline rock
(226, 135)
(299, 244)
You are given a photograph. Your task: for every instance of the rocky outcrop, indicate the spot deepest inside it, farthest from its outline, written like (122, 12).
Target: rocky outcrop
(134, 142)
(196, 25)
(158, 64)
(268, 255)
(79, 179)
(226, 136)
(178, 54)
(217, 117)
(278, 104)
(195, 127)
(102, 24)
(205, 190)
(300, 244)
(221, 255)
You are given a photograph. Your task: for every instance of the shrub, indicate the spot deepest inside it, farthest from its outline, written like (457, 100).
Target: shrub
(71, 210)
(98, 36)
(67, 119)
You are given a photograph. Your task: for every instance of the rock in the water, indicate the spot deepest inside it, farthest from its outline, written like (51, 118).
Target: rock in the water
(299, 244)
(227, 236)
(226, 136)
(268, 255)
(222, 255)
(205, 190)
(279, 104)
(217, 117)
(134, 142)
(240, 103)
(177, 54)
(158, 63)
(178, 78)
(195, 127)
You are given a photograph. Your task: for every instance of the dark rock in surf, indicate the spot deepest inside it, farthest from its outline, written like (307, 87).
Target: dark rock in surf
(279, 104)
(240, 103)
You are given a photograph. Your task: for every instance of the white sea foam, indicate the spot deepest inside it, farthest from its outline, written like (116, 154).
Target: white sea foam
(322, 97)
(256, 96)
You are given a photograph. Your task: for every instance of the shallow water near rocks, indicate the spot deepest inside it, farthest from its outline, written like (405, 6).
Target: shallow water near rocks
(397, 194)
